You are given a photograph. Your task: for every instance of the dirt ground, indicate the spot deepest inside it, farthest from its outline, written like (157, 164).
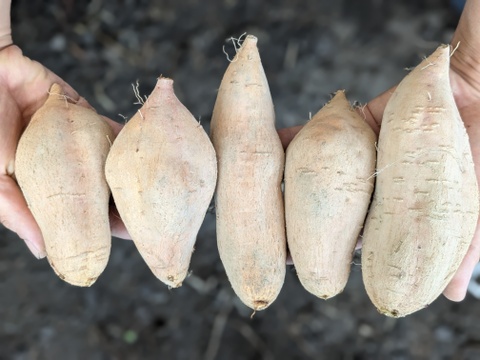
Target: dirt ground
(309, 50)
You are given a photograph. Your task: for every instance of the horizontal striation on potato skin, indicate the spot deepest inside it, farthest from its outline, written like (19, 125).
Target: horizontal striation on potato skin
(426, 202)
(249, 202)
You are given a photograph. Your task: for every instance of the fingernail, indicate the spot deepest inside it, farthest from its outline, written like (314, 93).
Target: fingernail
(289, 260)
(39, 254)
(11, 167)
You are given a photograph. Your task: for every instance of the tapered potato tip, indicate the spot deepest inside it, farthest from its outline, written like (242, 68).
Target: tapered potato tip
(434, 68)
(337, 104)
(82, 279)
(339, 100)
(441, 56)
(163, 92)
(248, 50)
(55, 93)
(56, 89)
(250, 40)
(165, 84)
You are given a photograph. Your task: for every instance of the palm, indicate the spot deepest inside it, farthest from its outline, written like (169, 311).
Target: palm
(24, 86)
(467, 96)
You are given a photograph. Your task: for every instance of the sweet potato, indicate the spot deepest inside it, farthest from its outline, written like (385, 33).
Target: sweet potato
(162, 172)
(328, 185)
(249, 205)
(426, 201)
(59, 166)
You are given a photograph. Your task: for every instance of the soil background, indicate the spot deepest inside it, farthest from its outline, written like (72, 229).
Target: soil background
(309, 50)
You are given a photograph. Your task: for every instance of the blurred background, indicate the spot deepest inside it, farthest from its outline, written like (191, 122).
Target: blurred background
(309, 48)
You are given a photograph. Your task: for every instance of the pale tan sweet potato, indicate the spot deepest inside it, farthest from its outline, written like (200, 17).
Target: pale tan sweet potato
(162, 172)
(328, 185)
(59, 166)
(249, 205)
(426, 201)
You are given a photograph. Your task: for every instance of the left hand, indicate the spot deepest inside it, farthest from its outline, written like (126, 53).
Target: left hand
(24, 86)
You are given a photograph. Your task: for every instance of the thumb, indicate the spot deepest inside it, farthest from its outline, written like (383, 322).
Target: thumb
(15, 215)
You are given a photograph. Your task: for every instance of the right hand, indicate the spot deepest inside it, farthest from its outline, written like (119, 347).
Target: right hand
(465, 82)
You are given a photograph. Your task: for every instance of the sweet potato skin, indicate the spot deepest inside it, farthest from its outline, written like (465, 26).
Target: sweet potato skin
(328, 186)
(59, 166)
(162, 172)
(426, 203)
(249, 205)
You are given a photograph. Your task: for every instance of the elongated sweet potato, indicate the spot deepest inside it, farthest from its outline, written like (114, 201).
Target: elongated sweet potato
(426, 201)
(162, 172)
(328, 185)
(249, 205)
(59, 166)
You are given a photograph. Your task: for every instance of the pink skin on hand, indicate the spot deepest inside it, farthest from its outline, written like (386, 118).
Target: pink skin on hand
(24, 86)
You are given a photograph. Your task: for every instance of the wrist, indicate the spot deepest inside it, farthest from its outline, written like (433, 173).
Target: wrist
(465, 61)
(5, 25)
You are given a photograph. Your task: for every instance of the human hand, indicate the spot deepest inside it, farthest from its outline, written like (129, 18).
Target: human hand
(24, 86)
(465, 82)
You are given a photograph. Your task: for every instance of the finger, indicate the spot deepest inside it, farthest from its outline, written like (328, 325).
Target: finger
(372, 111)
(15, 215)
(30, 81)
(289, 259)
(117, 226)
(5, 25)
(457, 288)
(286, 135)
(5, 41)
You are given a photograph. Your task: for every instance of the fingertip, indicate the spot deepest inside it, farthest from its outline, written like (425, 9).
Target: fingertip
(38, 252)
(67, 89)
(121, 233)
(456, 291)
(32, 236)
(289, 259)
(117, 226)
